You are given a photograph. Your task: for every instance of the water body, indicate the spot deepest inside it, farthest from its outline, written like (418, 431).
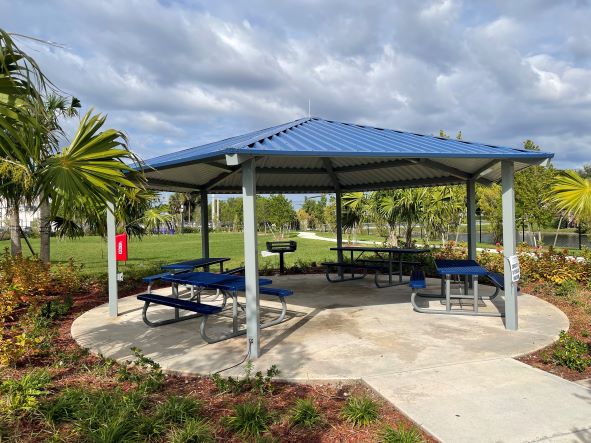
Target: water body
(565, 240)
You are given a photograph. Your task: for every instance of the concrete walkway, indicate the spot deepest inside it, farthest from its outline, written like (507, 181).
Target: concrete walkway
(454, 375)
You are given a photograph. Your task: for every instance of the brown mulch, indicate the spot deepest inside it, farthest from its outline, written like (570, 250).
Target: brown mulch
(579, 316)
(72, 366)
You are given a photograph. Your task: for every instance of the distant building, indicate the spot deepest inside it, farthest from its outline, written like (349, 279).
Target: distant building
(28, 216)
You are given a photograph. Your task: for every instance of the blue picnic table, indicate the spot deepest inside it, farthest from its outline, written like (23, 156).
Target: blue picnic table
(189, 265)
(470, 270)
(229, 285)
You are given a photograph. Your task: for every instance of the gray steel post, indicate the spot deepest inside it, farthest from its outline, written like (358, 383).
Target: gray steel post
(339, 220)
(112, 262)
(507, 173)
(471, 221)
(204, 225)
(251, 268)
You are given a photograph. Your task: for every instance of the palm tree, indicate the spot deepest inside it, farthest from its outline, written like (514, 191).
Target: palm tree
(56, 106)
(91, 167)
(572, 193)
(406, 205)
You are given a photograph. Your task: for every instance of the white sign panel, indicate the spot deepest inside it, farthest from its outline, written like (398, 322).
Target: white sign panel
(515, 271)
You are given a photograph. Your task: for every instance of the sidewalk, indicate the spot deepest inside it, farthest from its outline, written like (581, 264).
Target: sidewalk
(499, 400)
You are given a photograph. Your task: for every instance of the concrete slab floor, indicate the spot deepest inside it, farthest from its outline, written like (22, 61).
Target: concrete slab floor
(349, 330)
(336, 330)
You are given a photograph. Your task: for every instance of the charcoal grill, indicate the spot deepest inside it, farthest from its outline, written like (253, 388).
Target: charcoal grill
(281, 247)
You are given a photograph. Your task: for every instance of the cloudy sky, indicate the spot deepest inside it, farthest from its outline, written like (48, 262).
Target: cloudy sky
(178, 74)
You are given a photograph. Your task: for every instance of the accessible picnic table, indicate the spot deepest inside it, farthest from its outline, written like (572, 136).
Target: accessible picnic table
(386, 260)
(470, 270)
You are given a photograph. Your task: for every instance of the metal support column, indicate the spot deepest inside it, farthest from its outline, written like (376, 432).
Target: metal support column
(251, 268)
(507, 172)
(204, 225)
(471, 207)
(112, 262)
(339, 221)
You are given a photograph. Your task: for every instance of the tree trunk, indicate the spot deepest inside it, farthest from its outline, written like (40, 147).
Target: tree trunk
(408, 235)
(392, 238)
(44, 231)
(557, 230)
(15, 235)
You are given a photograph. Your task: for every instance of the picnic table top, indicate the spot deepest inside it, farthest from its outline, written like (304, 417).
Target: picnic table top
(377, 249)
(459, 267)
(213, 280)
(197, 263)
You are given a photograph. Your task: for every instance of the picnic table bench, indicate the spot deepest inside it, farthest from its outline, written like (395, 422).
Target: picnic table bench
(186, 266)
(228, 284)
(387, 261)
(470, 270)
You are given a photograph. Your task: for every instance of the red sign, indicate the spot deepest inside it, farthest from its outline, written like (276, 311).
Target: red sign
(121, 247)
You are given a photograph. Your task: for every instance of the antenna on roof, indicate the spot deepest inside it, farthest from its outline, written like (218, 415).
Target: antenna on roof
(309, 108)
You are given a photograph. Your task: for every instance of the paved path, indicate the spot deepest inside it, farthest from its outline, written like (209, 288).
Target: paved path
(454, 375)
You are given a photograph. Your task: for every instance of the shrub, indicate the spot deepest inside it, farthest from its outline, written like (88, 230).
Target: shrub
(261, 383)
(193, 431)
(29, 292)
(567, 288)
(360, 411)
(178, 410)
(102, 415)
(143, 371)
(248, 419)
(305, 413)
(571, 352)
(22, 395)
(401, 434)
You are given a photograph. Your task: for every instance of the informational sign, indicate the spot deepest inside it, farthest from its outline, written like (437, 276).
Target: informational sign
(515, 271)
(121, 247)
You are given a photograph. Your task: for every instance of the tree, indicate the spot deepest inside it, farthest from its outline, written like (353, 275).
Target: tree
(56, 106)
(91, 168)
(280, 212)
(489, 201)
(231, 213)
(585, 171)
(531, 190)
(572, 193)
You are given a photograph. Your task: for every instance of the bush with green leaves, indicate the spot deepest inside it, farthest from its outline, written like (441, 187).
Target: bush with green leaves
(571, 352)
(360, 411)
(178, 410)
(305, 413)
(567, 288)
(259, 382)
(248, 419)
(103, 415)
(22, 395)
(401, 434)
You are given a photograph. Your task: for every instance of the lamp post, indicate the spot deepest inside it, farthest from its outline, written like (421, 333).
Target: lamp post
(479, 214)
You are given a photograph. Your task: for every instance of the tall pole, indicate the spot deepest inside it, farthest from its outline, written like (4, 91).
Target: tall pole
(251, 268)
(112, 261)
(339, 220)
(471, 221)
(204, 225)
(508, 176)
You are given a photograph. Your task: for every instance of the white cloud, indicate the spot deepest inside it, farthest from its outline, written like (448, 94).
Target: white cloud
(175, 75)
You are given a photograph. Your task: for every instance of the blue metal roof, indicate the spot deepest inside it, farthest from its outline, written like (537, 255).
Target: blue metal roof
(430, 159)
(317, 137)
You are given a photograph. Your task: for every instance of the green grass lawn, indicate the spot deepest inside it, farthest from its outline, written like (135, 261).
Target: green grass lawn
(158, 249)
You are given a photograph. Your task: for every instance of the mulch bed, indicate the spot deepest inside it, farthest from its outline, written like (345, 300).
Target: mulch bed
(579, 316)
(72, 366)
